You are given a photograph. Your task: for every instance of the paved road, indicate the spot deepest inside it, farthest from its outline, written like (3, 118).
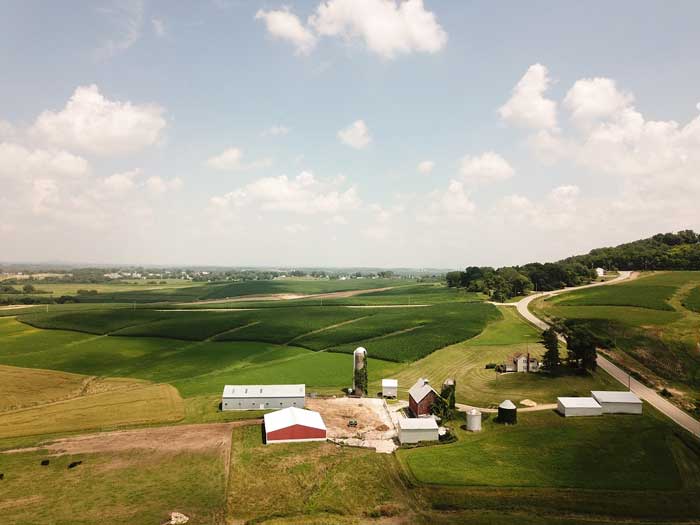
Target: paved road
(644, 392)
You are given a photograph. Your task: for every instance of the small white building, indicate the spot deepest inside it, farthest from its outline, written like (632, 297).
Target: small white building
(618, 402)
(578, 406)
(522, 363)
(262, 397)
(294, 425)
(390, 387)
(600, 272)
(417, 429)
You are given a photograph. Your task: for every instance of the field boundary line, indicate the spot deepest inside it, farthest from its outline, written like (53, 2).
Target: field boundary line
(329, 327)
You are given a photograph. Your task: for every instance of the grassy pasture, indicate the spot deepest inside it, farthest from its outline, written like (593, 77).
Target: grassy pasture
(309, 481)
(647, 292)
(136, 487)
(546, 450)
(692, 300)
(662, 345)
(123, 403)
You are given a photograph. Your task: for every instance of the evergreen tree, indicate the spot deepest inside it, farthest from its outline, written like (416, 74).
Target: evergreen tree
(582, 348)
(550, 360)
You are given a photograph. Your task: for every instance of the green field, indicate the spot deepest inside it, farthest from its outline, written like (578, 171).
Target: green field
(692, 300)
(657, 335)
(547, 450)
(135, 487)
(396, 334)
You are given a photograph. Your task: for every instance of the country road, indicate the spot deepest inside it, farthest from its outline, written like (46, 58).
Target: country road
(644, 392)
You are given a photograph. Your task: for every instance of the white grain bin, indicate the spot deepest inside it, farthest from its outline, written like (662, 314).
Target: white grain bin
(474, 420)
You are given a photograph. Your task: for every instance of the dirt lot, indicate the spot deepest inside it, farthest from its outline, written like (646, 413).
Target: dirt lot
(373, 420)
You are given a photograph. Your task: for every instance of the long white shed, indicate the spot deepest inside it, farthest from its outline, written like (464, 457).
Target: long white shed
(618, 402)
(416, 429)
(578, 406)
(262, 397)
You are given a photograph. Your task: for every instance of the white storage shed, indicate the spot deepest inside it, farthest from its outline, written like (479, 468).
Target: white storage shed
(416, 429)
(578, 406)
(262, 397)
(390, 387)
(618, 402)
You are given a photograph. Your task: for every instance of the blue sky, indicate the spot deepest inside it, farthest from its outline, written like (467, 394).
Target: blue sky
(336, 133)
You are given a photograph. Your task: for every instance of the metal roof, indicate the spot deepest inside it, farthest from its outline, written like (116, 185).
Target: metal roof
(255, 391)
(615, 397)
(288, 417)
(508, 404)
(418, 423)
(390, 382)
(578, 402)
(421, 389)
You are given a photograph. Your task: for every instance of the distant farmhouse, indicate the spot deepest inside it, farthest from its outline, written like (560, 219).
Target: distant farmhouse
(600, 272)
(421, 396)
(520, 362)
(262, 397)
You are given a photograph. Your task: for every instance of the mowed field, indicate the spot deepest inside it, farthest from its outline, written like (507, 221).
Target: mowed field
(649, 323)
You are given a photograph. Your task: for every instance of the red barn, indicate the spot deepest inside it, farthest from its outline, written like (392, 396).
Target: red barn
(294, 424)
(420, 397)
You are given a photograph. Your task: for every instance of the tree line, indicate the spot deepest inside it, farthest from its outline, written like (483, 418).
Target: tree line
(511, 281)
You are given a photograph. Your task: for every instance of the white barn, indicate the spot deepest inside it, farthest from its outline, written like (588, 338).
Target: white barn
(578, 406)
(618, 402)
(262, 397)
(390, 387)
(416, 429)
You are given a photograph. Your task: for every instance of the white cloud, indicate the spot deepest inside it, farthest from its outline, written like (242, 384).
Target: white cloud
(159, 27)
(122, 182)
(231, 159)
(387, 27)
(127, 18)
(285, 25)
(7, 130)
(356, 135)
(93, 124)
(20, 163)
(442, 206)
(527, 106)
(591, 99)
(276, 130)
(487, 167)
(158, 185)
(425, 167)
(295, 228)
(304, 194)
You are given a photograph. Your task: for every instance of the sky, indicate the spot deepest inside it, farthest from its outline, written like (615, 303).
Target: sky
(379, 133)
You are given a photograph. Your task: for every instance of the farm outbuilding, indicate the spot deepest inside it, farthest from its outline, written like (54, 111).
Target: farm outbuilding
(262, 397)
(618, 402)
(417, 429)
(294, 424)
(474, 420)
(421, 397)
(507, 413)
(578, 406)
(390, 387)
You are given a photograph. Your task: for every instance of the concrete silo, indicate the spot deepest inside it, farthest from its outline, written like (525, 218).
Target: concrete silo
(359, 371)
